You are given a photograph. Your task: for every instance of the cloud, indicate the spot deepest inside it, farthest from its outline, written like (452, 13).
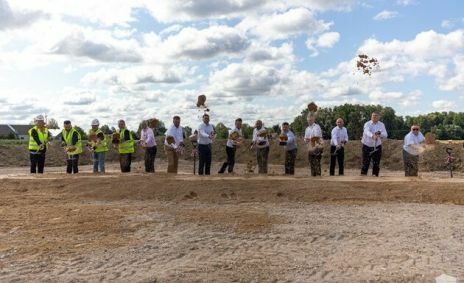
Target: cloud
(129, 78)
(385, 15)
(181, 10)
(429, 53)
(325, 40)
(197, 44)
(406, 2)
(443, 105)
(116, 12)
(244, 80)
(10, 19)
(75, 97)
(269, 54)
(293, 22)
(79, 46)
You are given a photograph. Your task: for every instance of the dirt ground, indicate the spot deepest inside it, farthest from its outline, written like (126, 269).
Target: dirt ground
(240, 228)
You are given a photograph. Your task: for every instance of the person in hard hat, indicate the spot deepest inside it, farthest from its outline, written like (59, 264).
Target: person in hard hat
(98, 144)
(38, 143)
(125, 146)
(71, 140)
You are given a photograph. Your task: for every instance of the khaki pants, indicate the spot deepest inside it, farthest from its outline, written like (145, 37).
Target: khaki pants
(173, 159)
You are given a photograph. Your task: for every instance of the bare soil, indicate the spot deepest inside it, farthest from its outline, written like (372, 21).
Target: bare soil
(241, 228)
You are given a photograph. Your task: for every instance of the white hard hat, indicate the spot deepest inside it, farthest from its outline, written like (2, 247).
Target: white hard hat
(95, 122)
(39, 118)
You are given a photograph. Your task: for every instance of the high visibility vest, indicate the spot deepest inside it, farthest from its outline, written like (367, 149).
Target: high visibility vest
(67, 136)
(102, 146)
(43, 137)
(128, 145)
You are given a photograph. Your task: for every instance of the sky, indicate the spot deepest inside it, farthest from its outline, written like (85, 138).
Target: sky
(255, 59)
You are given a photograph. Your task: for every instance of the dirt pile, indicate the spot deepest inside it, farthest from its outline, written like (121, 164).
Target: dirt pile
(433, 159)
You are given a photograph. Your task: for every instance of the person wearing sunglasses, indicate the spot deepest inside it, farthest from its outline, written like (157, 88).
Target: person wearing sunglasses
(413, 142)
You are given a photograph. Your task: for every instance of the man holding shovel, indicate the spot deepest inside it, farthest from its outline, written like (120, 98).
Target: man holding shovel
(374, 131)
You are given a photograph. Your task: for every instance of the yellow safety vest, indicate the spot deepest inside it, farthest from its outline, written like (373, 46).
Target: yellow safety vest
(67, 136)
(43, 137)
(126, 146)
(103, 145)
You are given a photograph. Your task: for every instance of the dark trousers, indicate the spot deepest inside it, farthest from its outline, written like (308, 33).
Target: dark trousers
(262, 155)
(125, 160)
(290, 157)
(229, 164)
(37, 162)
(369, 154)
(339, 157)
(150, 153)
(314, 158)
(411, 164)
(204, 165)
(72, 163)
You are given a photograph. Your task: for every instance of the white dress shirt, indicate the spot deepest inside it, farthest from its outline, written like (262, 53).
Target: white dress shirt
(148, 137)
(411, 139)
(257, 139)
(231, 143)
(313, 130)
(370, 128)
(177, 133)
(204, 132)
(338, 135)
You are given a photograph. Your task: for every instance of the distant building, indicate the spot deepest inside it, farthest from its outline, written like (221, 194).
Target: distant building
(19, 132)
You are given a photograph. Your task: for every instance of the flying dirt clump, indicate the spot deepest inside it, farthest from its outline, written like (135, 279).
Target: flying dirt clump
(367, 64)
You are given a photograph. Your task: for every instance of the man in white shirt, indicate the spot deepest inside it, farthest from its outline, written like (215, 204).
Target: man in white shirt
(290, 149)
(374, 131)
(205, 139)
(231, 147)
(173, 146)
(261, 143)
(337, 147)
(313, 137)
(148, 142)
(411, 151)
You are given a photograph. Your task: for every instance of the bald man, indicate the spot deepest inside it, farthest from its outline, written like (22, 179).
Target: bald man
(337, 147)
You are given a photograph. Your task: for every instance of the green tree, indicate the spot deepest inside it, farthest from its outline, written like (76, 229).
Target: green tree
(106, 130)
(222, 131)
(247, 131)
(52, 124)
(81, 131)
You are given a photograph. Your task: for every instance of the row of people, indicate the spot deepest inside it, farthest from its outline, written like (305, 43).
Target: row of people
(123, 140)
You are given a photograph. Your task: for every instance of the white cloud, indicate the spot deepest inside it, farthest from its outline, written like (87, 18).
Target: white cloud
(116, 12)
(269, 54)
(184, 10)
(78, 97)
(129, 78)
(443, 105)
(79, 46)
(385, 15)
(406, 2)
(283, 25)
(10, 19)
(206, 43)
(429, 53)
(325, 40)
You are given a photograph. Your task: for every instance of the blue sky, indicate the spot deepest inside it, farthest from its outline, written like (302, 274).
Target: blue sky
(254, 59)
